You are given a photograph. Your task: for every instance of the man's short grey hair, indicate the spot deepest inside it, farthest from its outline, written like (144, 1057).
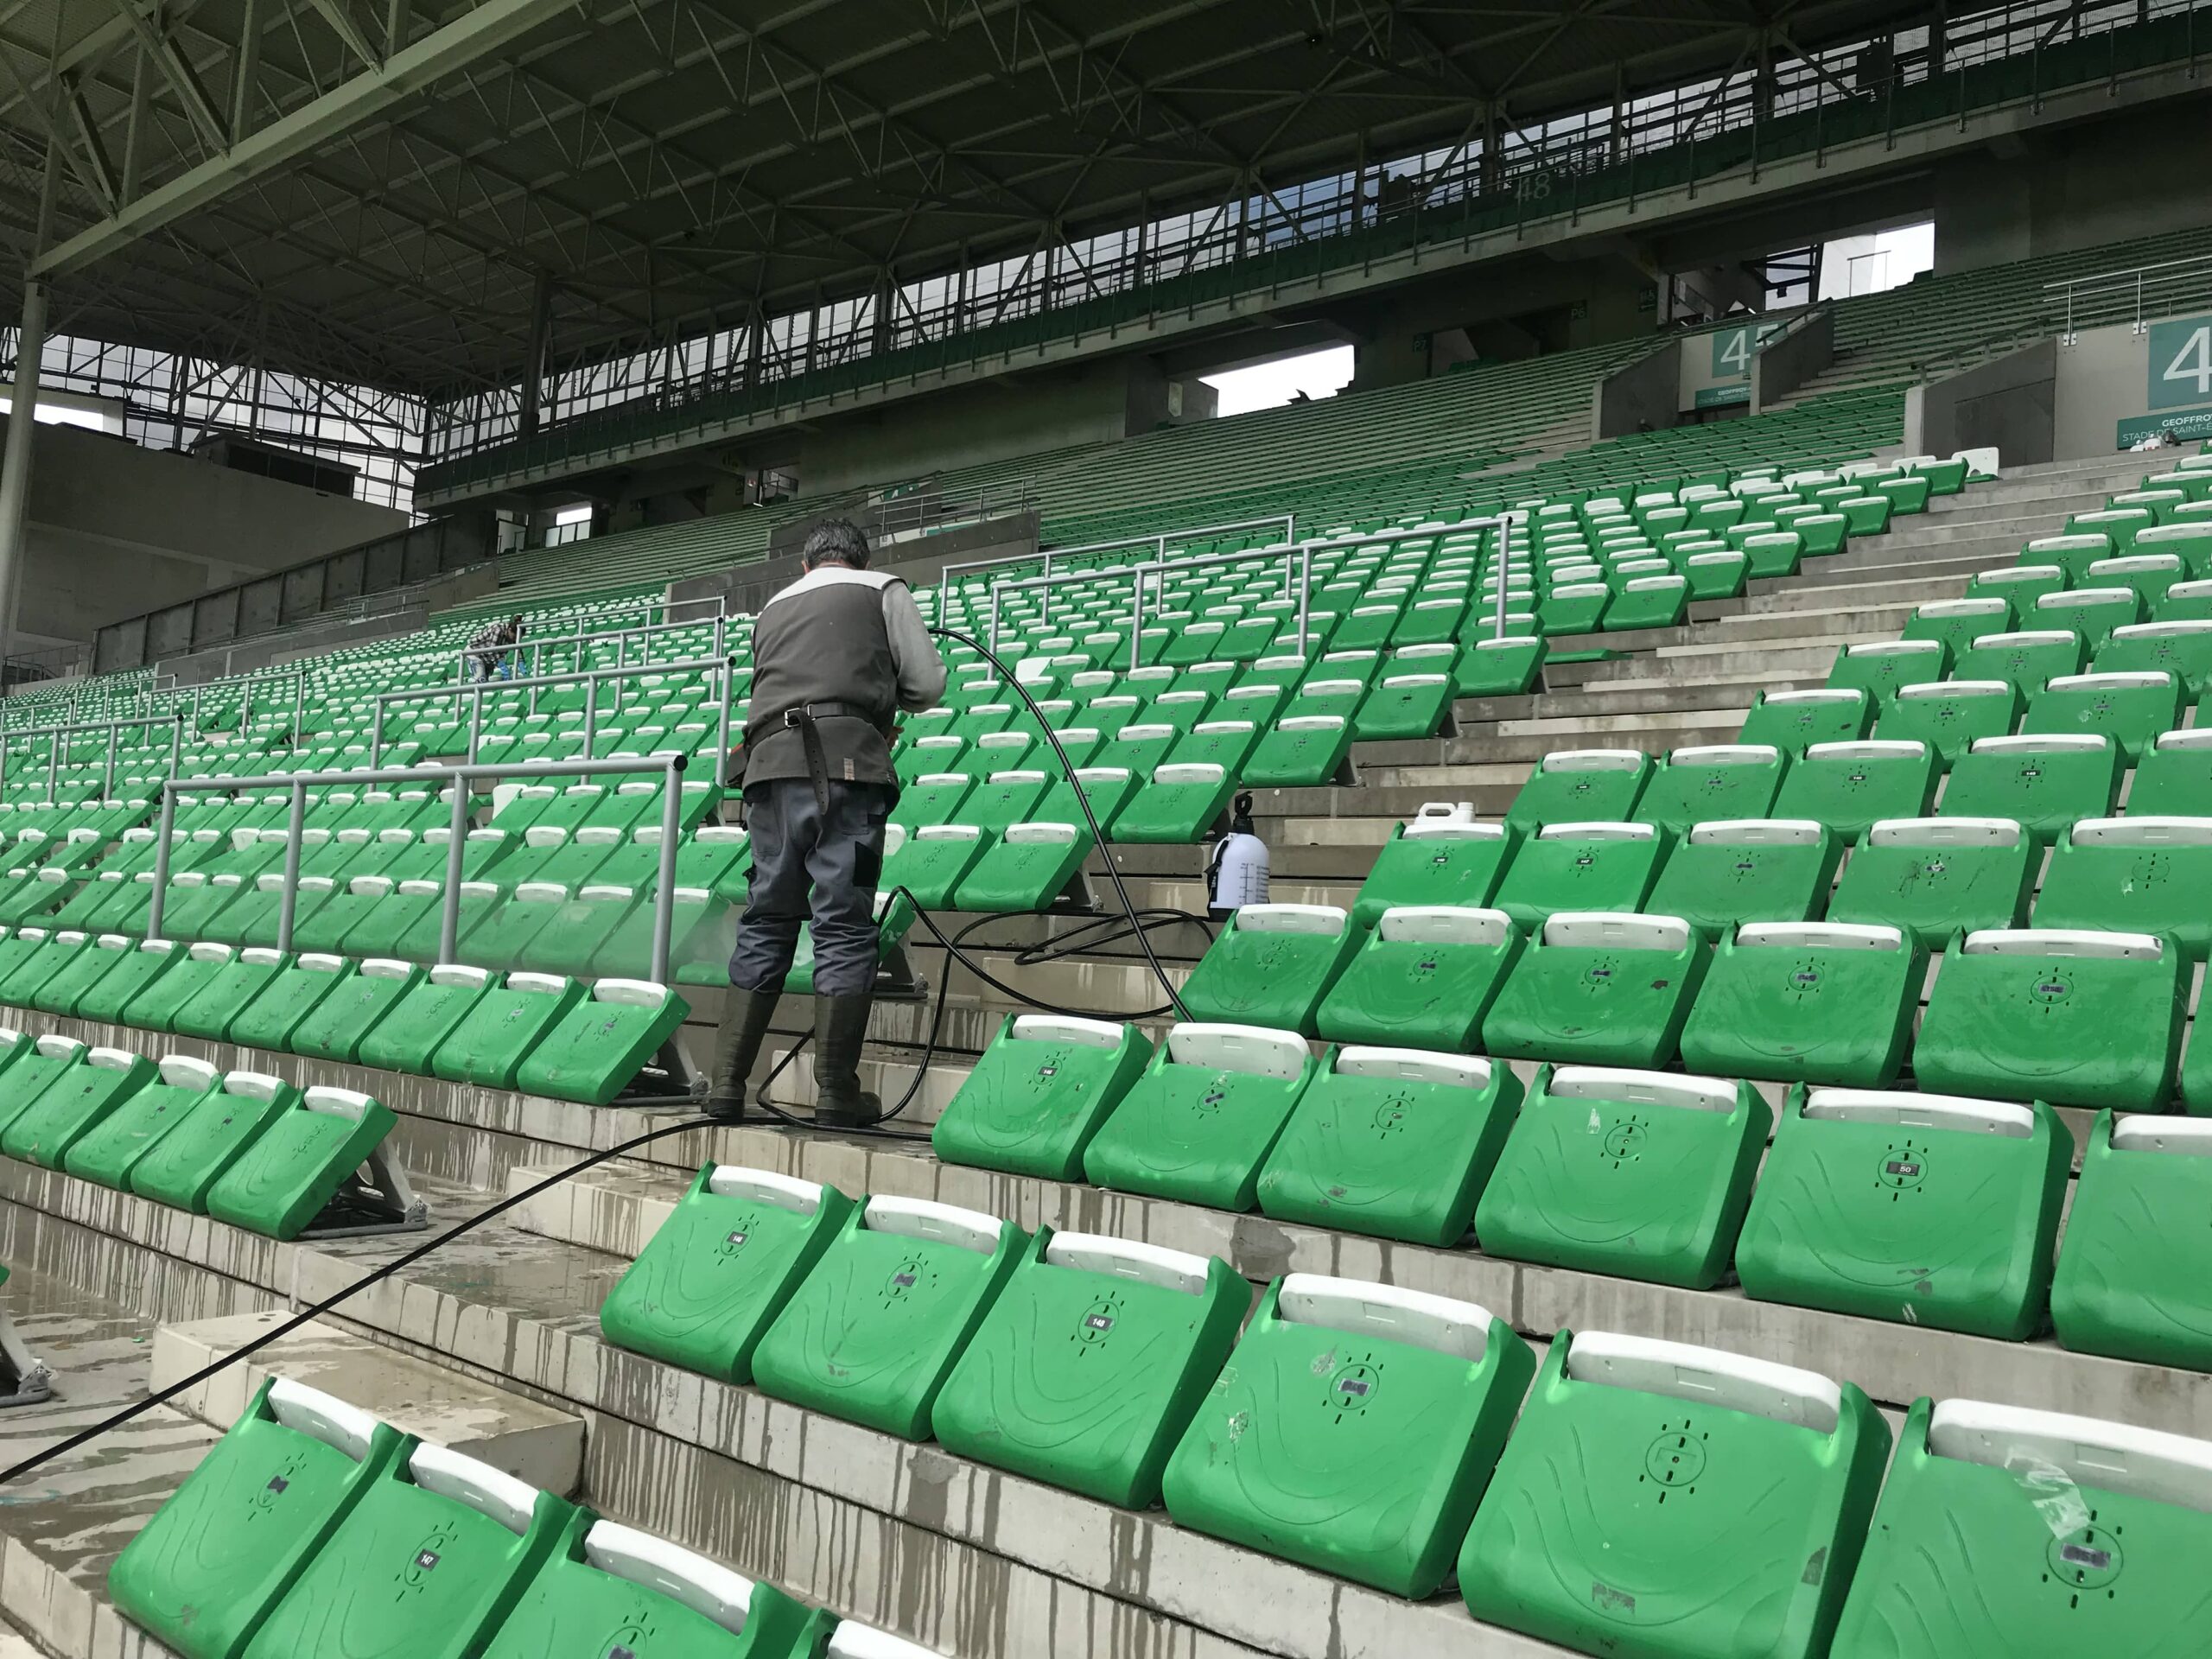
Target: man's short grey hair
(836, 539)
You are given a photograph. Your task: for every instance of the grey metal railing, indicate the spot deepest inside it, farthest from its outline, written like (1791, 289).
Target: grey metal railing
(589, 678)
(53, 736)
(579, 640)
(1157, 542)
(670, 766)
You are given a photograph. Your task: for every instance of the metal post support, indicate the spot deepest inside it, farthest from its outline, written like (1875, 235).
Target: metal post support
(1136, 622)
(107, 775)
(1504, 571)
(1044, 616)
(168, 829)
(3, 762)
(728, 685)
(992, 637)
(375, 735)
(671, 820)
(176, 742)
(15, 466)
(449, 903)
(299, 704)
(53, 761)
(475, 721)
(1305, 594)
(591, 714)
(289, 901)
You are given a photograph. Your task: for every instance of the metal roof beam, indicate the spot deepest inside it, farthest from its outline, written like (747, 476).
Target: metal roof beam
(486, 29)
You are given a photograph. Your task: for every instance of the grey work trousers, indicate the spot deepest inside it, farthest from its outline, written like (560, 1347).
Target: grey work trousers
(816, 867)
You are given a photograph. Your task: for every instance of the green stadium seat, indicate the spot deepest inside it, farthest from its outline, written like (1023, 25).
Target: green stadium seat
(1772, 1472)
(1955, 1232)
(1793, 721)
(461, 1539)
(1582, 866)
(2129, 1284)
(2182, 648)
(1949, 715)
(931, 797)
(73, 962)
(930, 862)
(598, 1043)
(1393, 1143)
(204, 1571)
(1439, 856)
(74, 1101)
(602, 1576)
(142, 968)
(335, 1029)
(2075, 1017)
(1936, 878)
(2132, 708)
(108, 1151)
(2133, 875)
(2023, 659)
(409, 1034)
(293, 1173)
(1727, 871)
(1881, 668)
(1807, 1003)
(2093, 613)
(487, 1045)
(1301, 751)
(1106, 789)
(1493, 667)
(1959, 622)
(1101, 1414)
(1034, 1098)
(1608, 988)
(2018, 585)
(1424, 978)
(2173, 777)
(1029, 868)
(1652, 601)
(1848, 786)
(277, 1010)
(2042, 1550)
(1179, 805)
(1662, 1199)
(708, 1284)
(1701, 784)
(1319, 1474)
(49, 1061)
(2074, 552)
(872, 1333)
(185, 1163)
(2043, 782)
(1271, 966)
(1198, 1124)
(1580, 787)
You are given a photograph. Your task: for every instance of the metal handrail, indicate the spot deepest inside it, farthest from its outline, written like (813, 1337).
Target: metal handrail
(580, 640)
(671, 767)
(53, 734)
(2123, 282)
(1158, 542)
(589, 678)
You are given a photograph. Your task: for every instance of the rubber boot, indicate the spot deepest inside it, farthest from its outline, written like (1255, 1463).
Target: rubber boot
(840, 1029)
(737, 1044)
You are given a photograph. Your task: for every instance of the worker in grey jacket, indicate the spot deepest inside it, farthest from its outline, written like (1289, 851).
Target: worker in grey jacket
(835, 656)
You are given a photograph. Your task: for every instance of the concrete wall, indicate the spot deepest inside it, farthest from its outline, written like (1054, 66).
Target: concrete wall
(2007, 404)
(1787, 360)
(1642, 398)
(1020, 414)
(1716, 365)
(2104, 385)
(745, 588)
(2025, 195)
(116, 530)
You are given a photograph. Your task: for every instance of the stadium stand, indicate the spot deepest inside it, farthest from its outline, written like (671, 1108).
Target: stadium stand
(1706, 1105)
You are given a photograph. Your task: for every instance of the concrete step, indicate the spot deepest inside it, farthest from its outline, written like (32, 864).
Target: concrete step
(534, 1442)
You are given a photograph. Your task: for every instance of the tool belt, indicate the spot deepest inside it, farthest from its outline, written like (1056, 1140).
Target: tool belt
(804, 720)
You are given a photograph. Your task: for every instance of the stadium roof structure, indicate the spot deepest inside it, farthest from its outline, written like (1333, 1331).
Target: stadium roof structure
(394, 191)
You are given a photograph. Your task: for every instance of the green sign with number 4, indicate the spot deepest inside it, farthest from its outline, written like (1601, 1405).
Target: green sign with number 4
(2181, 363)
(1732, 348)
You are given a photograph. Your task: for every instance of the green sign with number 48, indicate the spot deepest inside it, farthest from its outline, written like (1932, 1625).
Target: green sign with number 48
(2181, 363)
